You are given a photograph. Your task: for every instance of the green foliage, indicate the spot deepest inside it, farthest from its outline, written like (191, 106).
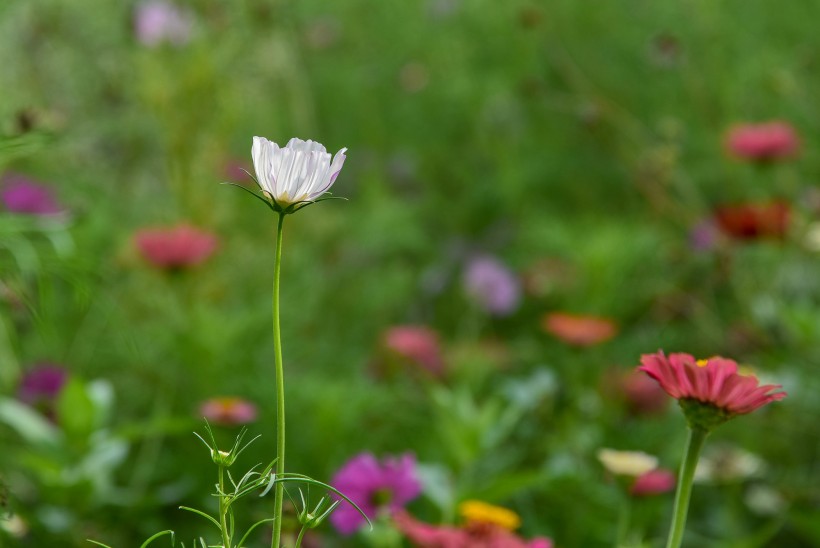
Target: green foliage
(579, 142)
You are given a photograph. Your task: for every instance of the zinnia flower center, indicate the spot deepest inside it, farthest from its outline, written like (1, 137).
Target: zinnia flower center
(382, 497)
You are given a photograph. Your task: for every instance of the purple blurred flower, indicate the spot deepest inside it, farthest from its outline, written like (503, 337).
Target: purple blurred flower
(704, 236)
(41, 386)
(157, 22)
(22, 195)
(374, 486)
(492, 285)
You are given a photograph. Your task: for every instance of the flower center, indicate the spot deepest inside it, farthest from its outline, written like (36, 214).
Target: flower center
(382, 497)
(701, 363)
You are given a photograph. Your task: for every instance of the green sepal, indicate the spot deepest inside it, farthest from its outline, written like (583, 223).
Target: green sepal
(255, 195)
(703, 416)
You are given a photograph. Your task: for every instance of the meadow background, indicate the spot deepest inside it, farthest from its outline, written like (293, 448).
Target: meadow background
(582, 145)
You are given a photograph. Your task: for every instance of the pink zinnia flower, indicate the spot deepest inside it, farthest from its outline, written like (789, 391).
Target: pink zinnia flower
(175, 248)
(654, 482)
(228, 411)
(471, 535)
(492, 285)
(375, 487)
(416, 344)
(156, 22)
(763, 142)
(22, 195)
(714, 383)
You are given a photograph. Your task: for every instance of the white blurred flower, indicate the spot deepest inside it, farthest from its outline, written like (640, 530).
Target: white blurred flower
(725, 464)
(627, 463)
(298, 173)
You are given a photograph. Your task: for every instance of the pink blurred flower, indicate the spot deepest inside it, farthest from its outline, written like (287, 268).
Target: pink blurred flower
(704, 385)
(22, 195)
(763, 142)
(237, 172)
(175, 248)
(492, 285)
(375, 486)
(643, 395)
(157, 22)
(228, 411)
(41, 386)
(748, 221)
(654, 482)
(416, 344)
(471, 535)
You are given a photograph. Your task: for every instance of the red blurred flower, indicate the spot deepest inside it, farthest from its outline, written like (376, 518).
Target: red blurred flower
(654, 482)
(175, 248)
(709, 391)
(228, 411)
(579, 330)
(754, 220)
(762, 142)
(416, 344)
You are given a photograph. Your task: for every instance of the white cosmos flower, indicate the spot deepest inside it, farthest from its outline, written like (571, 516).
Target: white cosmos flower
(300, 172)
(627, 463)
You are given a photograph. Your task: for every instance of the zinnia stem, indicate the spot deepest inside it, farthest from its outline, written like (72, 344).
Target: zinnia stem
(694, 443)
(279, 493)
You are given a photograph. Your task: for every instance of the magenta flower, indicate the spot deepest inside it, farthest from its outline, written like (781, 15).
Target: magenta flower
(375, 487)
(763, 142)
(654, 482)
(713, 383)
(416, 344)
(492, 285)
(157, 22)
(22, 195)
(175, 248)
(228, 411)
(41, 386)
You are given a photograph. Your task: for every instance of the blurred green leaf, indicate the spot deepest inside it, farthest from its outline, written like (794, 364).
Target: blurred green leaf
(76, 412)
(28, 423)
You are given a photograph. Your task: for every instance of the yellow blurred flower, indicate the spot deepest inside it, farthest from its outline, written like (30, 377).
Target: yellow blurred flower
(475, 511)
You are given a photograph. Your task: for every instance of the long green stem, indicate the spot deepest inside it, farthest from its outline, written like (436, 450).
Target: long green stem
(223, 510)
(279, 494)
(624, 516)
(694, 444)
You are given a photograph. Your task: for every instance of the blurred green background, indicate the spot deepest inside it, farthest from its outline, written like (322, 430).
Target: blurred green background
(578, 143)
